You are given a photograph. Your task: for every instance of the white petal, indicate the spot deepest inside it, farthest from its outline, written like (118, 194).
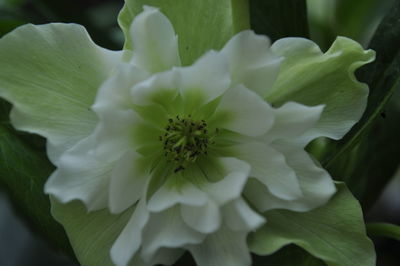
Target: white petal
(160, 88)
(316, 185)
(204, 219)
(130, 239)
(128, 182)
(251, 61)
(231, 185)
(114, 133)
(80, 175)
(270, 168)
(205, 80)
(225, 247)
(167, 229)
(168, 195)
(243, 111)
(115, 92)
(240, 217)
(293, 119)
(155, 45)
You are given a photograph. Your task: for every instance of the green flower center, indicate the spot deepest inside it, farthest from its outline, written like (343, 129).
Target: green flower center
(184, 141)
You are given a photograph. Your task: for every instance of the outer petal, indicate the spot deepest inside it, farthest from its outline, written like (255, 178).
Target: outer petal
(168, 196)
(224, 247)
(51, 74)
(167, 229)
(204, 219)
(270, 168)
(231, 185)
(80, 175)
(128, 182)
(292, 120)
(251, 62)
(316, 184)
(243, 111)
(129, 241)
(312, 78)
(240, 217)
(155, 44)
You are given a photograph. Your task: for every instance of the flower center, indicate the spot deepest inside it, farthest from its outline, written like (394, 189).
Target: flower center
(184, 141)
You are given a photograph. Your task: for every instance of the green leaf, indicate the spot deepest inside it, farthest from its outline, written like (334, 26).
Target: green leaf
(288, 256)
(278, 19)
(23, 172)
(91, 234)
(201, 25)
(334, 233)
(331, 18)
(384, 229)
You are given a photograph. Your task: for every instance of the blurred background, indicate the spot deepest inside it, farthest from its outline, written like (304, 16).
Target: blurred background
(369, 167)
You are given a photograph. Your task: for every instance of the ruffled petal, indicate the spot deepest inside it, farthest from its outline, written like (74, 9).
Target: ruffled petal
(167, 230)
(51, 73)
(292, 120)
(169, 195)
(155, 45)
(225, 247)
(316, 185)
(80, 175)
(130, 239)
(311, 77)
(128, 182)
(243, 111)
(270, 168)
(204, 219)
(251, 62)
(235, 174)
(238, 216)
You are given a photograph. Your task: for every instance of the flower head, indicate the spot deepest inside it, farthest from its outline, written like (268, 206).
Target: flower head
(197, 152)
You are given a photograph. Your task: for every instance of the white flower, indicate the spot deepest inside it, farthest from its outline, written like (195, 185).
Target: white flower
(182, 142)
(196, 151)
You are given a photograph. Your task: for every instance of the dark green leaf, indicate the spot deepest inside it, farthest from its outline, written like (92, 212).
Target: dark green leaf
(331, 18)
(278, 19)
(288, 256)
(351, 160)
(23, 170)
(334, 232)
(384, 229)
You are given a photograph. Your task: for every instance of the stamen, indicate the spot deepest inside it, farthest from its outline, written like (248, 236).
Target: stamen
(185, 140)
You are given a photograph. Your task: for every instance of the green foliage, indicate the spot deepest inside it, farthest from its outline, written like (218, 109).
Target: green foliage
(24, 169)
(367, 157)
(334, 233)
(278, 19)
(91, 234)
(384, 229)
(331, 18)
